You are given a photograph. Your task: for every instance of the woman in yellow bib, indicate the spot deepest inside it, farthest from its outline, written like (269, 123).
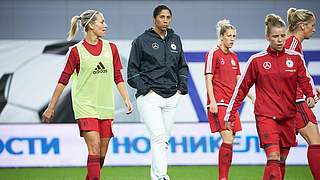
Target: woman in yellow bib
(94, 65)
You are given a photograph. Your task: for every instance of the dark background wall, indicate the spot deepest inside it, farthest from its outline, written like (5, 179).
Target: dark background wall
(50, 19)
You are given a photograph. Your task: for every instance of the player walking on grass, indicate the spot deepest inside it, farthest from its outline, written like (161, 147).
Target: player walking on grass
(94, 64)
(276, 72)
(158, 70)
(300, 27)
(222, 72)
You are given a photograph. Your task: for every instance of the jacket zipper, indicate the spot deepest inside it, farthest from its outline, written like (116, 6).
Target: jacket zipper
(278, 58)
(165, 56)
(165, 50)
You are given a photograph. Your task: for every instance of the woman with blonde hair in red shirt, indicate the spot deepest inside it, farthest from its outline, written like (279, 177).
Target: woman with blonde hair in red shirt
(301, 24)
(222, 72)
(276, 73)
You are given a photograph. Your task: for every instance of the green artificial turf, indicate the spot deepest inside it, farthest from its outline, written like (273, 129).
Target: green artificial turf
(142, 173)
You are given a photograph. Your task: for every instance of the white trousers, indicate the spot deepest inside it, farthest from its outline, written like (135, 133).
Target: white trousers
(157, 113)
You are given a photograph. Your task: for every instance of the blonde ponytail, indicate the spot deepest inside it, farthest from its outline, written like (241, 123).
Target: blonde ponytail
(74, 27)
(85, 18)
(297, 16)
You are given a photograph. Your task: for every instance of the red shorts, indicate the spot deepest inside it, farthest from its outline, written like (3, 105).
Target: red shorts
(103, 126)
(276, 132)
(304, 115)
(217, 123)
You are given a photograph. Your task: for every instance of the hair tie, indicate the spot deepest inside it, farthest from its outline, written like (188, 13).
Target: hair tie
(90, 19)
(308, 20)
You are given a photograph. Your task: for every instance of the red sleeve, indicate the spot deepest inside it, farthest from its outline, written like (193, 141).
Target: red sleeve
(73, 62)
(305, 81)
(210, 62)
(116, 58)
(118, 77)
(117, 66)
(243, 86)
(237, 61)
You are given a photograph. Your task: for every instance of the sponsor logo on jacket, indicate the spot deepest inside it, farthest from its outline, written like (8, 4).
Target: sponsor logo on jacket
(267, 65)
(290, 64)
(155, 45)
(173, 48)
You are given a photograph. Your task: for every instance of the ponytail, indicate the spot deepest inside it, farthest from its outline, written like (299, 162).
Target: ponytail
(85, 18)
(297, 16)
(74, 27)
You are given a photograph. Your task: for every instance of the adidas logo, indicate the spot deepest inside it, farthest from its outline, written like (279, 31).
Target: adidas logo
(100, 69)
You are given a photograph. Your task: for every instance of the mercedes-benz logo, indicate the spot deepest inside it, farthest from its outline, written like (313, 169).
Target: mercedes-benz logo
(267, 65)
(155, 45)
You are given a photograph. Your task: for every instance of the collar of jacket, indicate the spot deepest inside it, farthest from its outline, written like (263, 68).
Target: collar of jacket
(153, 33)
(275, 53)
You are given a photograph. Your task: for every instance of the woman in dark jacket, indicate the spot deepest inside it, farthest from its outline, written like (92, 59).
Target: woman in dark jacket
(158, 70)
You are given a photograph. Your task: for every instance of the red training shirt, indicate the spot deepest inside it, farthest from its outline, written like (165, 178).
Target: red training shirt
(224, 67)
(276, 76)
(293, 44)
(73, 61)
